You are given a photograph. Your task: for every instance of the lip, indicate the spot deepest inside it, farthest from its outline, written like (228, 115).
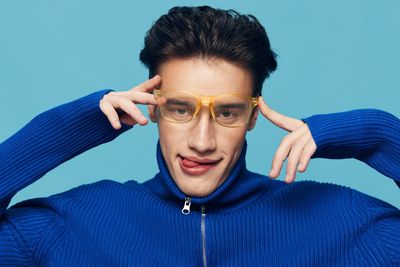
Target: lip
(201, 161)
(196, 166)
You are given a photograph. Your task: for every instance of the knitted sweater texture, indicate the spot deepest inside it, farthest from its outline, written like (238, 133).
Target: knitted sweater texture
(249, 220)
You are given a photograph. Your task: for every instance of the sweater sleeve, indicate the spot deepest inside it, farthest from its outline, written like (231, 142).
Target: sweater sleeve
(47, 141)
(369, 135)
(379, 242)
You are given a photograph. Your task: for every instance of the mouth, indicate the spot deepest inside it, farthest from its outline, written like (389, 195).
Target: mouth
(196, 166)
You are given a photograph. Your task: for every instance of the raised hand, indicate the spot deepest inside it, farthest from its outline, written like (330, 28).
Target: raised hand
(298, 146)
(126, 101)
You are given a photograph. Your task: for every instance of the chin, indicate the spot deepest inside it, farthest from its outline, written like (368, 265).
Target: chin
(197, 190)
(196, 193)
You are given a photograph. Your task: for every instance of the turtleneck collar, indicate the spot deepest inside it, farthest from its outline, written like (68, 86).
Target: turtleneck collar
(239, 166)
(240, 186)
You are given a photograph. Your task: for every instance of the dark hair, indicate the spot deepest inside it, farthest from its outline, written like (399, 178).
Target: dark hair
(207, 32)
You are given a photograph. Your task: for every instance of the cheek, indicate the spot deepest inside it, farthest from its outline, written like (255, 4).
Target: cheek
(230, 139)
(235, 134)
(171, 137)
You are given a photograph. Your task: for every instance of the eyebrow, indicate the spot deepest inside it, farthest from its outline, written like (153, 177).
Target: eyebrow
(233, 105)
(179, 102)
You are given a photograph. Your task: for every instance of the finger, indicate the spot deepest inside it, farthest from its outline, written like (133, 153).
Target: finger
(133, 111)
(282, 152)
(294, 157)
(111, 114)
(279, 158)
(280, 120)
(126, 119)
(148, 85)
(306, 155)
(141, 98)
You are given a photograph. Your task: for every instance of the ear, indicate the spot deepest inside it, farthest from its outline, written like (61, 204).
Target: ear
(152, 112)
(253, 119)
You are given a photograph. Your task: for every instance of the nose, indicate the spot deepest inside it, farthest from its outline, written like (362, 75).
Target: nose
(202, 136)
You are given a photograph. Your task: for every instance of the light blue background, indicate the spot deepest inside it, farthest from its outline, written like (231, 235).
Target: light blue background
(333, 56)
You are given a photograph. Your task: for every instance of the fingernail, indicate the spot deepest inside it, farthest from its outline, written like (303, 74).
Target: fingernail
(287, 177)
(299, 166)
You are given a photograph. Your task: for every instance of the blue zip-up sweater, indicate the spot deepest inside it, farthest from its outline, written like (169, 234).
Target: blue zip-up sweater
(249, 220)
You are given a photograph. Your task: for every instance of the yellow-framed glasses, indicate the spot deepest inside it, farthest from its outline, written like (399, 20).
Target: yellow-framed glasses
(229, 110)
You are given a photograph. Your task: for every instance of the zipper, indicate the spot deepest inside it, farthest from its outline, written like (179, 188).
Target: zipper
(186, 206)
(203, 234)
(186, 211)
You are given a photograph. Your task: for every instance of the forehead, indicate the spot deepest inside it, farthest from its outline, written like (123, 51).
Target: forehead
(205, 76)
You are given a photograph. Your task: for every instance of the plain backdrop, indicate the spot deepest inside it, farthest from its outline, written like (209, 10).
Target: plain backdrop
(333, 56)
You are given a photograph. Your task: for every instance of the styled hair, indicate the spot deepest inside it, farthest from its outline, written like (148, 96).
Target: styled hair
(208, 32)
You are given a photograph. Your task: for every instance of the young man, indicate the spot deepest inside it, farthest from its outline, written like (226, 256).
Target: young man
(203, 207)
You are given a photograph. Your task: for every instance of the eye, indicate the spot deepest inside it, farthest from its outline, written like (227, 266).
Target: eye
(226, 114)
(180, 111)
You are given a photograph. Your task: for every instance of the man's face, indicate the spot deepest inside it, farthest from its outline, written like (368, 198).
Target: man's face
(200, 153)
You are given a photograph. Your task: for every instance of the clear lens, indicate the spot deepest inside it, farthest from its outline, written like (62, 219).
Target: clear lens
(231, 110)
(178, 106)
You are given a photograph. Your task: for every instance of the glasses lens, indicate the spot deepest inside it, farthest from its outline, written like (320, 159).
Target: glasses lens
(232, 110)
(177, 106)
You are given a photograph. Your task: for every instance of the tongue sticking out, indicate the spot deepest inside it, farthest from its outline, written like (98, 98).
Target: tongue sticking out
(190, 164)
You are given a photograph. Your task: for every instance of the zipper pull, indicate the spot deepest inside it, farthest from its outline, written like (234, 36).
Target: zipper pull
(186, 206)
